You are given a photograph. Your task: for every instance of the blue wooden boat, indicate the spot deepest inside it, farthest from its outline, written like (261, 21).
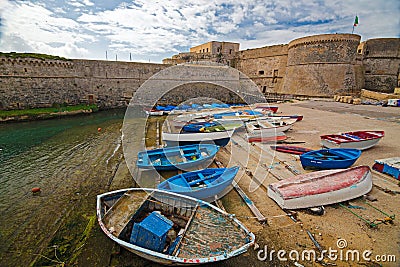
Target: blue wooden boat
(177, 157)
(334, 158)
(201, 184)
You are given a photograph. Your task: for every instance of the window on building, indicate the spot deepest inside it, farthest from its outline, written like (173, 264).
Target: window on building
(359, 51)
(207, 50)
(264, 89)
(261, 72)
(230, 51)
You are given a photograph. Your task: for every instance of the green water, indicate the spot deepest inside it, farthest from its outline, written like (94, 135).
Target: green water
(62, 157)
(16, 138)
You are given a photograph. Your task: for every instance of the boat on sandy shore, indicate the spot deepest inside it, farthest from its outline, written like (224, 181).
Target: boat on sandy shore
(332, 158)
(153, 112)
(296, 150)
(169, 228)
(177, 157)
(262, 128)
(221, 138)
(358, 139)
(321, 187)
(202, 184)
(390, 166)
(267, 138)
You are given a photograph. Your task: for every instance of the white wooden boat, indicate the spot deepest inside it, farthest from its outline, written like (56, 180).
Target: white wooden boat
(178, 139)
(169, 228)
(321, 187)
(266, 127)
(359, 139)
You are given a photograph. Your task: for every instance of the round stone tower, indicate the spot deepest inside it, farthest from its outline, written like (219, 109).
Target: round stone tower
(324, 65)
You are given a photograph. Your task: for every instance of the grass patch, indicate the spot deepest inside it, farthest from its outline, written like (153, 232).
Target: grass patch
(38, 111)
(32, 55)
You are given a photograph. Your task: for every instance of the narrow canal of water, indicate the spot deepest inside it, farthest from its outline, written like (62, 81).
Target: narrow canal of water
(68, 159)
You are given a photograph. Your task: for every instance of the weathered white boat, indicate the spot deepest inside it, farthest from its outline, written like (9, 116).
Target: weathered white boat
(321, 187)
(169, 228)
(359, 139)
(266, 127)
(221, 138)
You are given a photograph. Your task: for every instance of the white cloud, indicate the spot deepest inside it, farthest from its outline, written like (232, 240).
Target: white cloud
(154, 28)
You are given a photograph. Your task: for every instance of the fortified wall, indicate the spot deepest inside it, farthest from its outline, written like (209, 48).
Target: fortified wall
(266, 66)
(319, 65)
(31, 83)
(381, 58)
(324, 65)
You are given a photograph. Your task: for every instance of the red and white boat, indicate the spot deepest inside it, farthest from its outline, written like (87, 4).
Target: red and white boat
(321, 188)
(358, 139)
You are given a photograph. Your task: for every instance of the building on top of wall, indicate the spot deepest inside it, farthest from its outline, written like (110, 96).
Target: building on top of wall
(221, 52)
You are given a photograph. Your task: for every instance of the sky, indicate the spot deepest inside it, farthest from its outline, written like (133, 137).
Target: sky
(151, 30)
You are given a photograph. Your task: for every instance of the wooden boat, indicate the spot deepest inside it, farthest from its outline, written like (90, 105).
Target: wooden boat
(295, 116)
(179, 157)
(218, 138)
(169, 228)
(358, 140)
(201, 184)
(321, 187)
(297, 150)
(266, 108)
(390, 166)
(333, 158)
(239, 115)
(261, 128)
(267, 138)
(210, 126)
(153, 112)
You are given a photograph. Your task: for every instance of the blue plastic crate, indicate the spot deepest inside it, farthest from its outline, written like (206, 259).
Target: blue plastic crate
(151, 233)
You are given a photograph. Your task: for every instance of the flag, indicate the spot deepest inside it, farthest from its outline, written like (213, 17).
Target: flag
(356, 21)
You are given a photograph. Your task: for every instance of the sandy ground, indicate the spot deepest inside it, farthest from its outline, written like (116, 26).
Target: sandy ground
(322, 117)
(281, 232)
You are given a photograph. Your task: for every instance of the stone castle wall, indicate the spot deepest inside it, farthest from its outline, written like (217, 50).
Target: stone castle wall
(320, 65)
(381, 58)
(26, 82)
(323, 65)
(266, 66)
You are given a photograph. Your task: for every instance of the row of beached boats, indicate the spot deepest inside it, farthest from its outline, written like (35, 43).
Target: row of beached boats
(174, 225)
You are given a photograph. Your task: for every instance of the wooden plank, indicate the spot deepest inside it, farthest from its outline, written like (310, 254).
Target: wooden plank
(250, 203)
(246, 199)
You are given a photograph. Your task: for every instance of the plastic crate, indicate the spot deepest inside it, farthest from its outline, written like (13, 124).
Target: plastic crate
(151, 233)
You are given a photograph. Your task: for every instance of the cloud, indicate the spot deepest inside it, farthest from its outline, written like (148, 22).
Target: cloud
(154, 28)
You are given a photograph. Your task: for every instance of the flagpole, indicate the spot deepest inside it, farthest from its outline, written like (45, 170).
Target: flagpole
(352, 30)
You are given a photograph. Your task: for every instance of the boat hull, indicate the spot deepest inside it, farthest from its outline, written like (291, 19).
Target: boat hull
(332, 189)
(362, 145)
(178, 139)
(144, 161)
(226, 176)
(291, 149)
(336, 158)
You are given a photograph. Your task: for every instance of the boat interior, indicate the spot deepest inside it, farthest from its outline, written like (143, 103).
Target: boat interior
(193, 224)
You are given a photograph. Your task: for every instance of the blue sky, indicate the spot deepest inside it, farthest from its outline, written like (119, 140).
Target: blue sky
(150, 30)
